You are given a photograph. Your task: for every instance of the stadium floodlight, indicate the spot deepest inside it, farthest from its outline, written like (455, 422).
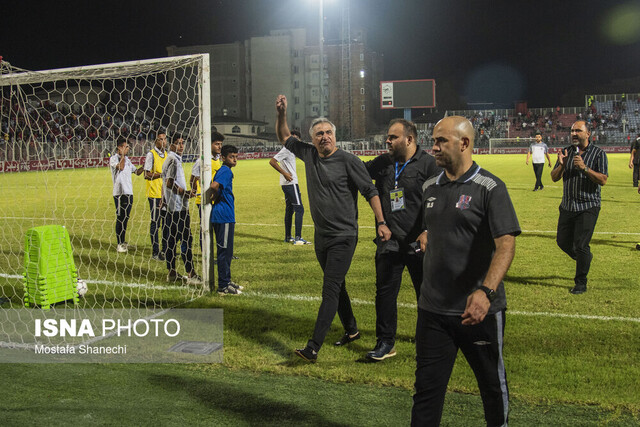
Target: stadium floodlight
(58, 129)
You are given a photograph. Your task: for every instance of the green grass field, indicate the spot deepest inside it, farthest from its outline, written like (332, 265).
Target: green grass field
(571, 360)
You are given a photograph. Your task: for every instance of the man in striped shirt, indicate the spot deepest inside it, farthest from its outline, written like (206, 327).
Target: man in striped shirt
(583, 168)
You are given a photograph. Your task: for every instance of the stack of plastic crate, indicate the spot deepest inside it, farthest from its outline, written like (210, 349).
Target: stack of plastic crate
(50, 273)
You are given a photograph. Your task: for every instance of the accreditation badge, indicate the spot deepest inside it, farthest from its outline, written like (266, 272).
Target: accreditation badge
(397, 199)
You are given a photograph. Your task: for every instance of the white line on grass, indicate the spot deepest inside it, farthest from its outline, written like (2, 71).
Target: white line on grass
(257, 224)
(356, 301)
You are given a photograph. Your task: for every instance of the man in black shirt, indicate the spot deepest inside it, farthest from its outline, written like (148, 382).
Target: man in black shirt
(399, 176)
(470, 227)
(334, 178)
(634, 161)
(583, 168)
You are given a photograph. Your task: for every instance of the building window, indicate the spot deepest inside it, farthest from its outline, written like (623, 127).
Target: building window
(295, 53)
(236, 129)
(361, 91)
(362, 57)
(296, 100)
(362, 107)
(296, 116)
(295, 69)
(296, 84)
(362, 74)
(314, 109)
(253, 129)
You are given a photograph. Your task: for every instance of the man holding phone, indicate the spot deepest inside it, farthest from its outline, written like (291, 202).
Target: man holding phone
(399, 175)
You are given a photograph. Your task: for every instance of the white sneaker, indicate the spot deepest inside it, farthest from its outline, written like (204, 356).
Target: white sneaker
(194, 280)
(299, 241)
(121, 248)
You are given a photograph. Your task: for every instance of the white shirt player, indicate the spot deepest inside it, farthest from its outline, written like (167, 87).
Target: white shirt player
(538, 151)
(121, 178)
(287, 162)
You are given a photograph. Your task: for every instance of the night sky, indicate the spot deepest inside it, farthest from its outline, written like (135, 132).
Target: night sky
(480, 51)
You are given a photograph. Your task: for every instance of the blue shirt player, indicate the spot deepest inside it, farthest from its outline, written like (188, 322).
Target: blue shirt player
(223, 220)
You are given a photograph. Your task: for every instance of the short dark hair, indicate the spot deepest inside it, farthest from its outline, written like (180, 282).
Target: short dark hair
(175, 138)
(121, 141)
(296, 133)
(217, 136)
(228, 149)
(538, 133)
(409, 127)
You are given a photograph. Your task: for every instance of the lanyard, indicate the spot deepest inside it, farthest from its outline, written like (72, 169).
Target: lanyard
(398, 173)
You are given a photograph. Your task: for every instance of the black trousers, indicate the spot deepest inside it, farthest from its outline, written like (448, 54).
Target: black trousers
(438, 339)
(389, 268)
(636, 174)
(123, 210)
(334, 255)
(158, 223)
(179, 230)
(293, 203)
(537, 169)
(575, 230)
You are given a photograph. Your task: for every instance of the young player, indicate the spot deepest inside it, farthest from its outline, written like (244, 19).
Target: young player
(121, 170)
(285, 163)
(223, 219)
(196, 172)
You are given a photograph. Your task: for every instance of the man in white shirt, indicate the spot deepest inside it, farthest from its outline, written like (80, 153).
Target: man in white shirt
(537, 152)
(178, 220)
(121, 170)
(285, 163)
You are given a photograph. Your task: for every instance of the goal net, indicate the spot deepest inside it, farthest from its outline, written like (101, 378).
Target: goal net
(509, 145)
(58, 129)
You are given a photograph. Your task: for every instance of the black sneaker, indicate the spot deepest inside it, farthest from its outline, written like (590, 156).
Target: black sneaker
(381, 351)
(229, 290)
(307, 354)
(578, 289)
(346, 339)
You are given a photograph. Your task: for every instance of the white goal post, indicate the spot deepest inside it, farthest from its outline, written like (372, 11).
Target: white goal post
(509, 145)
(58, 129)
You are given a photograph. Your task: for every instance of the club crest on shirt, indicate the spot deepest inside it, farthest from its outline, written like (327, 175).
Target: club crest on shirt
(463, 202)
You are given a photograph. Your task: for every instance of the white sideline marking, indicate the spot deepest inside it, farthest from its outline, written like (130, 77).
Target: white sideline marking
(356, 301)
(622, 233)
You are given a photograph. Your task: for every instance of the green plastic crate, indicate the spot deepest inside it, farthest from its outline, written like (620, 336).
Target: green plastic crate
(50, 272)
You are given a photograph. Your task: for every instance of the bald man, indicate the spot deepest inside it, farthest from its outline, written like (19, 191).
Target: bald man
(469, 242)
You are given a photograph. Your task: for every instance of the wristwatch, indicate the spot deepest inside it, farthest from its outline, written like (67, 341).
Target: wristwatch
(491, 294)
(379, 223)
(586, 169)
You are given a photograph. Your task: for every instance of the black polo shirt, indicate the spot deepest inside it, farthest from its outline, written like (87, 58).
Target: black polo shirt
(405, 224)
(463, 218)
(333, 183)
(579, 192)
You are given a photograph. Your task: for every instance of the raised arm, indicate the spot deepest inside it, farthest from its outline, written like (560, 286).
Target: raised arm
(282, 128)
(556, 173)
